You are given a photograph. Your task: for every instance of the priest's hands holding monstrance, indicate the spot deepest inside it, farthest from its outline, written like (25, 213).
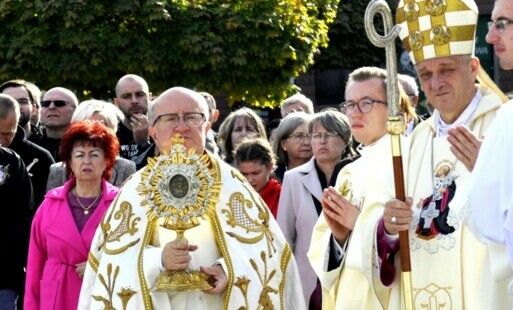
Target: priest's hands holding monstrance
(176, 257)
(181, 188)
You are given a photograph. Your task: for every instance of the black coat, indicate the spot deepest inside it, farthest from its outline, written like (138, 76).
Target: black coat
(52, 145)
(141, 159)
(16, 197)
(37, 161)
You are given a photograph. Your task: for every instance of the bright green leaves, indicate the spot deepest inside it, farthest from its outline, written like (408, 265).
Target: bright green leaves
(246, 49)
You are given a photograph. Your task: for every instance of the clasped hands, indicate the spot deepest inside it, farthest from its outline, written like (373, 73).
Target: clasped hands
(340, 214)
(176, 256)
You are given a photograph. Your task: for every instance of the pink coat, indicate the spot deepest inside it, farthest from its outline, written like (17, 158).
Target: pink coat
(56, 246)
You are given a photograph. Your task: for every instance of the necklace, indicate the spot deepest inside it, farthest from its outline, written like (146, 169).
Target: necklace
(84, 208)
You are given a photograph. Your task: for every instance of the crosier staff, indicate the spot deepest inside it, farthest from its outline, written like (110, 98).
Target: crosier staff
(395, 123)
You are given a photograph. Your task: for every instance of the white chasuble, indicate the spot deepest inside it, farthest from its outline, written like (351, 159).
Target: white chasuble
(451, 269)
(446, 258)
(241, 235)
(206, 255)
(368, 183)
(491, 188)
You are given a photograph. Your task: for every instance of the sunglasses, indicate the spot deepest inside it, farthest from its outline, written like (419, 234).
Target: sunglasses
(56, 103)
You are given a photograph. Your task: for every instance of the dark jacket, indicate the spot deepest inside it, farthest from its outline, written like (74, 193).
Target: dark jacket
(16, 195)
(279, 172)
(142, 159)
(37, 161)
(52, 145)
(128, 148)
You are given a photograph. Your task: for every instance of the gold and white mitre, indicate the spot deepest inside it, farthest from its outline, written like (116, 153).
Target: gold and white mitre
(437, 28)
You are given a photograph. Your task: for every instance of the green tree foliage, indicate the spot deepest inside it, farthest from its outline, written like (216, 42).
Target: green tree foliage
(349, 48)
(247, 49)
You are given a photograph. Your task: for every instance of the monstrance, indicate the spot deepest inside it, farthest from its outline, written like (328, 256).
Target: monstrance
(180, 187)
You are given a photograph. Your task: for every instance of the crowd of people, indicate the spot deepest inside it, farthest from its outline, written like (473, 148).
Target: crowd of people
(111, 201)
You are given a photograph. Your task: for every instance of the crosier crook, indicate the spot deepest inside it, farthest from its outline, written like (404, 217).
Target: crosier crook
(395, 123)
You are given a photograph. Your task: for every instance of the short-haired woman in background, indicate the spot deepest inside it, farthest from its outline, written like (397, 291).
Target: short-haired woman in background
(109, 115)
(303, 186)
(292, 143)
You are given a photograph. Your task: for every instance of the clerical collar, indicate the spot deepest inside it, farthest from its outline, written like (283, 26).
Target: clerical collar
(361, 148)
(464, 119)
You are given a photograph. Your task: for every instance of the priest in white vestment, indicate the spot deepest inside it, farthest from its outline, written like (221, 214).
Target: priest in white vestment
(450, 268)
(336, 251)
(491, 185)
(236, 244)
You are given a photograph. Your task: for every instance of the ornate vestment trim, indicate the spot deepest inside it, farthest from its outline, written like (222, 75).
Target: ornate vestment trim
(93, 262)
(285, 258)
(150, 228)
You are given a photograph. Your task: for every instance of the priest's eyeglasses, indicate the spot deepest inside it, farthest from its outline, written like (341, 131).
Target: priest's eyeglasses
(194, 119)
(500, 24)
(364, 105)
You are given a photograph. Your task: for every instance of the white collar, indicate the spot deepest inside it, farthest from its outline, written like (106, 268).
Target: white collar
(464, 119)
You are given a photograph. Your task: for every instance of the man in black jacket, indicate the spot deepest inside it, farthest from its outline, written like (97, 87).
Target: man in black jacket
(37, 160)
(26, 94)
(57, 108)
(132, 98)
(16, 195)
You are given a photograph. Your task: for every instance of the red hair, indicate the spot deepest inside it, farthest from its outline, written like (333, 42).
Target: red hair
(94, 133)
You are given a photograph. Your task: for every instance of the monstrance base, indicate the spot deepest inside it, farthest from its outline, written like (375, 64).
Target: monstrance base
(183, 280)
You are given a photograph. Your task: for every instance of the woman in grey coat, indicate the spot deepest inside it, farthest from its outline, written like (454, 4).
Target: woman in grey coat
(108, 114)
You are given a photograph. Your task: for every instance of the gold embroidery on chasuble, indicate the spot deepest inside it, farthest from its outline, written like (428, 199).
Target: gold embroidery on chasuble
(223, 248)
(93, 262)
(238, 176)
(242, 284)
(346, 189)
(125, 294)
(432, 297)
(247, 214)
(145, 290)
(284, 262)
(239, 217)
(108, 282)
(265, 276)
(124, 215)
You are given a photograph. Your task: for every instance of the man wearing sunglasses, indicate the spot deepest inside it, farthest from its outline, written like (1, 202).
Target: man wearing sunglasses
(57, 108)
(491, 189)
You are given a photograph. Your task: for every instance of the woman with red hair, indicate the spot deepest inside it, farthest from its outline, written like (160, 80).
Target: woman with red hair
(65, 223)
